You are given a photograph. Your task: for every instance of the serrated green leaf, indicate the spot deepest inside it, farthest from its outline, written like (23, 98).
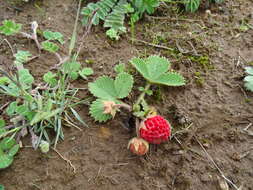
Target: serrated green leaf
(5, 161)
(22, 56)
(249, 86)
(49, 78)
(249, 70)
(73, 75)
(123, 85)
(140, 66)
(69, 67)
(22, 110)
(103, 88)
(171, 79)
(26, 79)
(156, 66)
(154, 69)
(248, 79)
(13, 150)
(97, 109)
(9, 27)
(120, 68)
(11, 109)
(7, 143)
(50, 46)
(86, 72)
(49, 35)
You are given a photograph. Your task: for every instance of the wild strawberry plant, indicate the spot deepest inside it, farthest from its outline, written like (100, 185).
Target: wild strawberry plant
(153, 128)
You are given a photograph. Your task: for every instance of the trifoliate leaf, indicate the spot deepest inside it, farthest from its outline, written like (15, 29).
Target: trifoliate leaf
(49, 78)
(103, 88)
(86, 72)
(120, 68)
(26, 79)
(22, 56)
(97, 111)
(9, 27)
(154, 69)
(50, 46)
(69, 67)
(49, 35)
(123, 85)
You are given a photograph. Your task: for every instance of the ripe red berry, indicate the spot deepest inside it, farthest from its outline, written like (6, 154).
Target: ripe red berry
(155, 129)
(138, 146)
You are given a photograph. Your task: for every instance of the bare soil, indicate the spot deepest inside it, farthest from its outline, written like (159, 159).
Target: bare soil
(213, 108)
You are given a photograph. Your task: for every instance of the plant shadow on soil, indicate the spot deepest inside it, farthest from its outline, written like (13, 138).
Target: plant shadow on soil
(217, 109)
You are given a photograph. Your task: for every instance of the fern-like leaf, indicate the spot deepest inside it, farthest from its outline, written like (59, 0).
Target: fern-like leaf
(116, 18)
(103, 88)
(103, 8)
(123, 85)
(97, 109)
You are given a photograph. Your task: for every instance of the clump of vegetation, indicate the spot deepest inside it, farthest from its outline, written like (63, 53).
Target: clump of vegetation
(39, 109)
(114, 12)
(248, 80)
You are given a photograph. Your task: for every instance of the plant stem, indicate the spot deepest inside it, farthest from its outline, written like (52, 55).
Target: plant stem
(142, 95)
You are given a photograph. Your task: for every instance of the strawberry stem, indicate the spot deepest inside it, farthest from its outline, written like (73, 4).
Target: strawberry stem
(142, 95)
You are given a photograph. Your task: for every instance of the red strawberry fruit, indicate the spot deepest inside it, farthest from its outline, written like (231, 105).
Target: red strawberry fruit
(155, 129)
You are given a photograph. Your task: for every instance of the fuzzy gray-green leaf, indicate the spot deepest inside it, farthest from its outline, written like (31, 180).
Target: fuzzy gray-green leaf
(104, 88)
(97, 109)
(123, 85)
(157, 66)
(171, 79)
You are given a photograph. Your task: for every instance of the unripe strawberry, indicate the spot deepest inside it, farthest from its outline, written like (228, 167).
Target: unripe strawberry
(155, 129)
(138, 146)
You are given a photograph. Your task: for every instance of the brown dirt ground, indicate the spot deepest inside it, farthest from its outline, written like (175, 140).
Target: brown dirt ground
(214, 104)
